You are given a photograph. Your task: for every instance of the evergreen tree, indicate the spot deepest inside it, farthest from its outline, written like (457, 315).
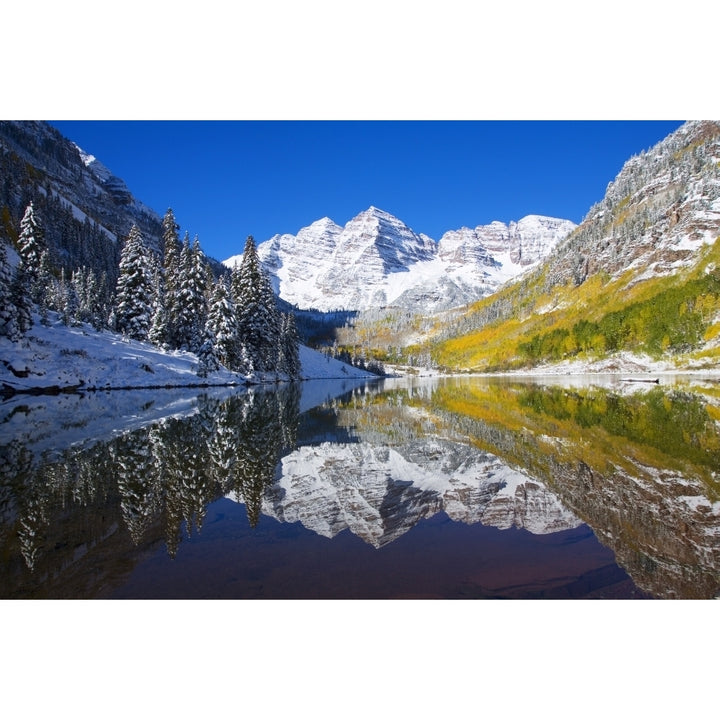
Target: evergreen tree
(171, 277)
(45, 281)
(201, 280)
(71, 303)
(289, 351)
(207, 359)
(158, 332)
(91, 298)
(7, 308)
(103, 302)
(20, 300)
(31, 244)
(222, 325)
(134, 295)
(58, 297)
(258, 316)
(192, 306)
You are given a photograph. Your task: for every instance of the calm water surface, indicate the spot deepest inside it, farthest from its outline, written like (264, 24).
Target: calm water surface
(426, 488)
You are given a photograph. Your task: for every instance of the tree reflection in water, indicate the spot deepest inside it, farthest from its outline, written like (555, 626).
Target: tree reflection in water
(640, 467)
(157, 477)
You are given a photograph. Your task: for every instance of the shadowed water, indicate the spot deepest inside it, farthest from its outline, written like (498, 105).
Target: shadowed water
(427, 488)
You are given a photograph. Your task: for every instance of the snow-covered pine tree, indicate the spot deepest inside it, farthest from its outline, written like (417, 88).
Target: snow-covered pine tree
(91, 294)
(171, 280)
(21, 301)
(207, 358)
(158, 332)
(202, 281)
(71, 304)
(192, 306)
(134, 294)
(222, 324)
(257, 312)
(181, 320)
(31, 243)
(46, 281)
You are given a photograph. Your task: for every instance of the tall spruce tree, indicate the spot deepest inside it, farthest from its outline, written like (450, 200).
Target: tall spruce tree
(31, 244)
(158, 332)
(191, 306)
(22, 303)
(257, 312)
(222, 324)
(289, 350)
(46, 283)
(207, 358)
(134, 294)
(171, 277)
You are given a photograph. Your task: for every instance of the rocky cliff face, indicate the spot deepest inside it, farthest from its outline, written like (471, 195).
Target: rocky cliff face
(376, 261)
(662, 207)
(522, 243)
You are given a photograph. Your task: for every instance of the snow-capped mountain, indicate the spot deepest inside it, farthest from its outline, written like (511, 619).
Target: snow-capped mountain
(376, 260)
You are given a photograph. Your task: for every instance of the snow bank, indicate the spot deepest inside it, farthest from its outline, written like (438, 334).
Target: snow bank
(65, 358)
(316, 366)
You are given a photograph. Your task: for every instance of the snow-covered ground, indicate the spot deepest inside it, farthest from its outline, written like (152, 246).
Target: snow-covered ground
(625, 364)
(57, 356)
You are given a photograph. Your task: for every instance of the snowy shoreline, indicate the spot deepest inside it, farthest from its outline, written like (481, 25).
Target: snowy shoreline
(55, 358)
(623, 367)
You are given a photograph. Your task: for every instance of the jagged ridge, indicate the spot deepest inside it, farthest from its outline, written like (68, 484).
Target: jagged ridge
(376, 260)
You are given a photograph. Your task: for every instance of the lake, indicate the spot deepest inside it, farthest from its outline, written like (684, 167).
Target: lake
(455, 488)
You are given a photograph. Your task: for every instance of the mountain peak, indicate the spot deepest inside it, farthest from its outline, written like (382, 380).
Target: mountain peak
(376, 260)
(324, 224)
(375, 212)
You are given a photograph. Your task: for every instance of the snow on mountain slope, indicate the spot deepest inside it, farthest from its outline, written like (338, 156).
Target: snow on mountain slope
(376, 261)
(85, 185)
(660, 210)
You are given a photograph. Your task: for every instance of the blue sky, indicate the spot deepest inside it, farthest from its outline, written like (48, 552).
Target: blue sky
(229, 179)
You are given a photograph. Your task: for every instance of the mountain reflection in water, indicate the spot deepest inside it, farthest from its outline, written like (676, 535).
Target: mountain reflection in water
(408, 488)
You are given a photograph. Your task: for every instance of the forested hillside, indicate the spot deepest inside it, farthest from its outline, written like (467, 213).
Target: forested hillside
(641, 274)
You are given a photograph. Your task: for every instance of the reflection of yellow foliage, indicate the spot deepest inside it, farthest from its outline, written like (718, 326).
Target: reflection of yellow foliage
(634, 447)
